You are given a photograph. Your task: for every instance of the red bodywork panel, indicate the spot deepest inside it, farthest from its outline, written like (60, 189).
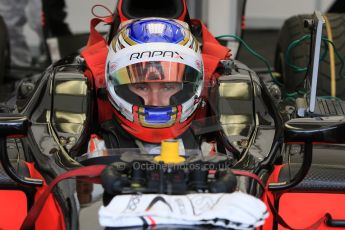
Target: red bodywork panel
(302, 210)
(51, 217)
(13, 208)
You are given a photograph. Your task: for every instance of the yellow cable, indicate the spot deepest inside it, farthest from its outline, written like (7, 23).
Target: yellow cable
(331, 57)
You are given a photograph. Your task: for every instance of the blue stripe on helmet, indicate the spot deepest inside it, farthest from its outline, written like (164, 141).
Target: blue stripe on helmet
(168, 31)
(158, 115)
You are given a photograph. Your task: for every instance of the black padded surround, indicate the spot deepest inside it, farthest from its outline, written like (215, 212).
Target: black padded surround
(183, 95)
(152, 8)
(124, 92)
(320, 178)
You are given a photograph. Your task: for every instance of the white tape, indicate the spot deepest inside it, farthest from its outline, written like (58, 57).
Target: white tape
(157, 51)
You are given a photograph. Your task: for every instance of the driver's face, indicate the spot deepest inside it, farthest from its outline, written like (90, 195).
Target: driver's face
(156, 93)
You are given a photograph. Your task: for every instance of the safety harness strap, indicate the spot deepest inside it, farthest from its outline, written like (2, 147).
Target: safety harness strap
(212, 51)
(90, 171)
(96, 170)
(95, 55)
(96, 51)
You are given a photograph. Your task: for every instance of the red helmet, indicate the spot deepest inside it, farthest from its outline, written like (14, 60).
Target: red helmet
(154, 76)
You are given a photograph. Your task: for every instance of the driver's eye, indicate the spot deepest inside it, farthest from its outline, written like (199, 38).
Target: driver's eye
(142, 87)
(171, 86)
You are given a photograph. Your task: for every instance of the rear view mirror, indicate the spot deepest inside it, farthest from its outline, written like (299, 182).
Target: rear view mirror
(14, 125)
(318, 129)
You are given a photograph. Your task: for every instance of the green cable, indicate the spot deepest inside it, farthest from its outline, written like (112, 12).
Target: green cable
(290, 99)
(303, 69)
(296, 43)
(330, 97)
(294, 95)
(289, 96)
(287, 53)
(253, 53)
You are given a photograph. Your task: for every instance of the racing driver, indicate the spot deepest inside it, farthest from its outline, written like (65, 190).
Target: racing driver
(154, 78)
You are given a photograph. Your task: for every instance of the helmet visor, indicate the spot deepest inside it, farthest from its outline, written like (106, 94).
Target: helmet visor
(154, 71)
